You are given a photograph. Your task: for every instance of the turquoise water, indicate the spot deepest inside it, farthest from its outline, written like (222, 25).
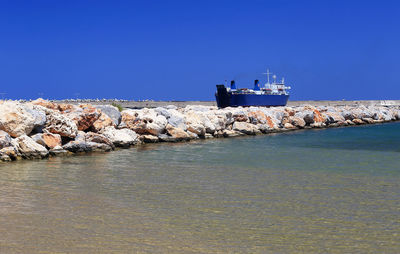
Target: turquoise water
(312, 191)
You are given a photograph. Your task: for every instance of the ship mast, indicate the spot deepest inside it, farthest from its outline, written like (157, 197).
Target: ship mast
(267, 73)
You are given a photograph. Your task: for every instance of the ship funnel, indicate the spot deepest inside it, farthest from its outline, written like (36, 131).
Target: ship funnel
(233, 85)
(256, 85)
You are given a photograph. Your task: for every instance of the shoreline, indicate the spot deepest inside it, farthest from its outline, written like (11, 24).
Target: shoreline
(41, 129)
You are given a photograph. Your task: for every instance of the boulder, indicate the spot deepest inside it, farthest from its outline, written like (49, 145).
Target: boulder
(58, 151)
(289, 126)
(102, 122)
(112, 112)
(297, 121)
(149, 139)
(121, 137)
(84, 117)
(48, 140)
(246, 128)
(98, 138)
(45, 103)
(358, 121)
(177, 133)
(77, 146)
(60, 124)
(39, 116)
(11, 151)
(144, 121)
(30, 149)
(5, 139)
(333, 117)
(231, 133)
(15, 119)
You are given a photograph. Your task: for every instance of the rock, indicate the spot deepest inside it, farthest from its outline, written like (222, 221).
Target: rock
(177, 120)
(177, 133)
(77, 146)
(112, 112)
(144, 121)
(246, 128)
(84, 117)
(240, 118)
(45, 103)
(11, 151)
(167, 138)
(149, 139)
(58, 151)
(4, 157)
(231, 133)
(103, 122)
(59, 124)
(290, 111)
(39, 116)
(5, 139)
(15, 119)
(48, 140)
(333, 117)
(98, 138)
(358, 121)
(121, 137)
(349, 122)
(259, 117)
(30, 149)
(297, 121)
(208, 136)
(289, 126)
(368, 120)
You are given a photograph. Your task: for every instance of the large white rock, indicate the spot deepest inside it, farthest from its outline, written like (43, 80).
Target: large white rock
(60, 124)
(30, 149)
(121, 137)
(15, 119)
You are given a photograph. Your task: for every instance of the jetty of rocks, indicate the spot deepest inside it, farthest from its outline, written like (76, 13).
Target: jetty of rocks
(41, 128)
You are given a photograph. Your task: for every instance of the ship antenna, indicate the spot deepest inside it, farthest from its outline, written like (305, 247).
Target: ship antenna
(267, 73)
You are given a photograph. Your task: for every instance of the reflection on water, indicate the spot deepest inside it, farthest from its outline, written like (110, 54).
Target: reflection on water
(330, 191)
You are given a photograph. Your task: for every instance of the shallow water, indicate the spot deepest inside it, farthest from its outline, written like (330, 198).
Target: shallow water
(314, 191)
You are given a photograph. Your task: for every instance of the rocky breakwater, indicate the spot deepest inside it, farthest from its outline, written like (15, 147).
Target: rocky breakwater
(40, 128)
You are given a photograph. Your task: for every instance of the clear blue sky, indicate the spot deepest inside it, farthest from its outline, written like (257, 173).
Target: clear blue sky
(179, 50)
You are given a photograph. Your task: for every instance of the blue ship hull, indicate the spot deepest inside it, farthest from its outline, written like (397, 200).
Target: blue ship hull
(229, 99)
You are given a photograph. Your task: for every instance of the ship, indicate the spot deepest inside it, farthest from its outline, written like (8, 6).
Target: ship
(272, 94)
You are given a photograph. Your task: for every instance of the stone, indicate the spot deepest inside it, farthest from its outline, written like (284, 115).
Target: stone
(289, 126)
(177, 133)
(98, 138)
(58, 151)
(102, 122)
(240, 118)
(121, 137)
(15, 119)
(5, 139)
(369, 120)
(48, 140)
(84, 117)
(77, 147)
(231, 133)
(112, 112)
(11, 151)
(144, 121)
(60, 124)
(149, 139)
(297, 121)
(333, 117)
(39, 116)
(30, 149)
(358, 121)
(246, 128)
(45, 103)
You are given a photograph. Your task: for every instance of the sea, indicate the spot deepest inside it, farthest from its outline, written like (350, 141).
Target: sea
(309, 191)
